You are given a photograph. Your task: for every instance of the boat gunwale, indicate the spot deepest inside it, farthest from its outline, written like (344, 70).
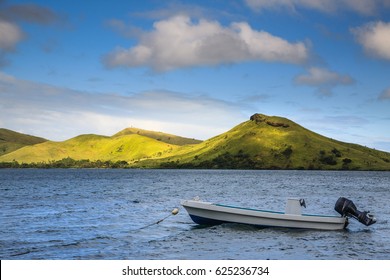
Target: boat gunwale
(273, 212)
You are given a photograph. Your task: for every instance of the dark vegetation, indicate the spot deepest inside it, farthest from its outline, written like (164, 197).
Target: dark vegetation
(68, 163)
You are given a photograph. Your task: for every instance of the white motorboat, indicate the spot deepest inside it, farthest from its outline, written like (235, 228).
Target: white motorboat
(207, 213)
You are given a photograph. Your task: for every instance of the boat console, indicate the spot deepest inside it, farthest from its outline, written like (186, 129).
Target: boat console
(347, 208)
(294, 206)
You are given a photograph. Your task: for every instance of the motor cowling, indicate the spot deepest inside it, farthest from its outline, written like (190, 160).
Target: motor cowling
(347, 208)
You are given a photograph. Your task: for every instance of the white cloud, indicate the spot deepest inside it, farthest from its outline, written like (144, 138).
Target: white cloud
(10, 35)
(385, 95)
(179, 42)
(60, 113)
(364, 7)
(323, 79)
(321, 76)
(375, 38)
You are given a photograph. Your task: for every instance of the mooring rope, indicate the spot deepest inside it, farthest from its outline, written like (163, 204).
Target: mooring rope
(174, 212)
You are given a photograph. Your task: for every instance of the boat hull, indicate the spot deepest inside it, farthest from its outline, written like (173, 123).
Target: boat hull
(212, 214)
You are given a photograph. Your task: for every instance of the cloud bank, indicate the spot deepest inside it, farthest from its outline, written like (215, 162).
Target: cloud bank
(363, 7)
(180, 42)
(49, 111)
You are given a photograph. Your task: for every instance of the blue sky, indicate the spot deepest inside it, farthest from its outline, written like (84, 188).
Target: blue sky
(195, 68)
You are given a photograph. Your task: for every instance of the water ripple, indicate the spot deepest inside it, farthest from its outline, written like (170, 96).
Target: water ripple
(112, 214)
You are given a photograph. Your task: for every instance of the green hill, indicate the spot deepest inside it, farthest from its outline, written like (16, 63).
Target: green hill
(266, 142)
(93, 147)
(11, 141)
(263, 142)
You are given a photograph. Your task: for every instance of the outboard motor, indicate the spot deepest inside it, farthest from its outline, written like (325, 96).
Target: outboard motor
(347, 208)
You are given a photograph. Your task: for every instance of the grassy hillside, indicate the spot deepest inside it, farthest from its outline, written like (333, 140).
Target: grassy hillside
(160, 136)
(11, 141)
(274, 143)
(93, 147)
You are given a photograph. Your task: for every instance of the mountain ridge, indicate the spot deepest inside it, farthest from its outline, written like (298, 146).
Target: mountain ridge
(262, 142)
(160, 136)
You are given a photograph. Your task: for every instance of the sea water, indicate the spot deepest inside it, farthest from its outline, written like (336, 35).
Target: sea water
(114, 214)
